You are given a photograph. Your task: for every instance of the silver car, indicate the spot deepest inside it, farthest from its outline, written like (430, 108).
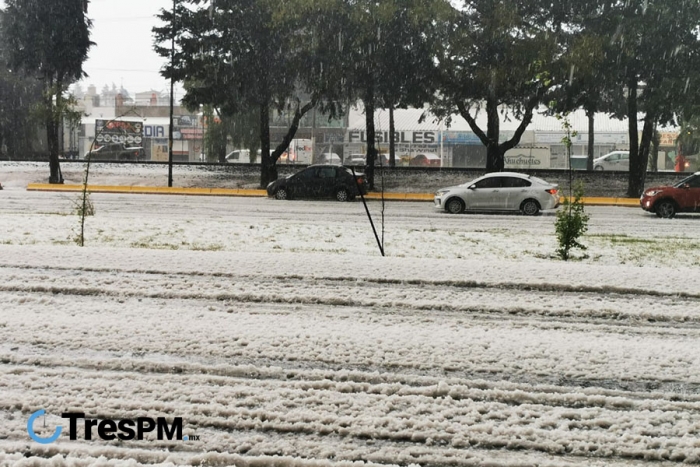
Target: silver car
(616, 160)
(500, 191)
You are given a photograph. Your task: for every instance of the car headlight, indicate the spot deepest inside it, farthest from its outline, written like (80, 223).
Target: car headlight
(652, 192)
(441, 193)
(270, 184)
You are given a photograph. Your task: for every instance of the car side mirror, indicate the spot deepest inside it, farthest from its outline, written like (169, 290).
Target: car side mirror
(471, 187)
(686, 185)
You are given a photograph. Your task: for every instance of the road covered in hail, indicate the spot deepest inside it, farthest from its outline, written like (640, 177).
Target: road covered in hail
(261, 332)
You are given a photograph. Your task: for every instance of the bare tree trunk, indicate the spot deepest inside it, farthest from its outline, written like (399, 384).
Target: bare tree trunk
(287, 139)
(495, 152)
(635, 184)
(371, 137)
(55, 175)
(268, 169)
(654, 154)
(392, 143)
(645, 147)
(495, 162)
(590, 113)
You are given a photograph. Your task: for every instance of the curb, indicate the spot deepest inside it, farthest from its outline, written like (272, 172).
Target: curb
(591, 201)
(153, 190)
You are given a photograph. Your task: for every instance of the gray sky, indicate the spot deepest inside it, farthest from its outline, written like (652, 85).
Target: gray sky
(123, 53)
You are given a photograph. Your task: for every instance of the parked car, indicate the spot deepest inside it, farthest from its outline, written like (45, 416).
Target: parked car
(238, 155)
(426, 160)
(361, 160)
(320, 181)
(616, 160)
(500, 191)
(666, 201)
(331, 158)
(116, 151)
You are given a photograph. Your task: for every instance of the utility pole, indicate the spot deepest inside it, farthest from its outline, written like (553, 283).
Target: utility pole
(172, 90)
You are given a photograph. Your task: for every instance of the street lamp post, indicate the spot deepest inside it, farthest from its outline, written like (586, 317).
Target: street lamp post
(172, 90)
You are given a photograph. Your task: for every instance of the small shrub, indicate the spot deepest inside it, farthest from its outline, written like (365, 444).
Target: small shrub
(83, 208)
(572, 223)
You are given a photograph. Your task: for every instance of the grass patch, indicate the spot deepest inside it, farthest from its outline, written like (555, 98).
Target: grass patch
(624, 239)
(49, 213)
(153, 245)
(212, 247)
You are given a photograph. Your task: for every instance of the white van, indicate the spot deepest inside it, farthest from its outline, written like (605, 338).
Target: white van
(616, 160)
(240, 156)
(331, 158)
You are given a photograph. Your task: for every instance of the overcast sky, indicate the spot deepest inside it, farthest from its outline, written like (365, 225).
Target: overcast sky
(123, 53)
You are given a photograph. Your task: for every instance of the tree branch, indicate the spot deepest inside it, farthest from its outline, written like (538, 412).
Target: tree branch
(292, 129)
(527, 119)
(472, 123)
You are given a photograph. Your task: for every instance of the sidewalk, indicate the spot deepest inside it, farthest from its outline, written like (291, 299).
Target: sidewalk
(597, 201)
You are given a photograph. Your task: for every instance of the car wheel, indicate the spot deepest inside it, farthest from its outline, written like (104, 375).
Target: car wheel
(598, 167)
(342, 195)
(530, 207)
(281, 193)
(665, 209)
(454, 206)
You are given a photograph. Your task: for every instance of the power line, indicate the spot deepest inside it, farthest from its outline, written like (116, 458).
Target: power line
(124, 18)
(126, 69)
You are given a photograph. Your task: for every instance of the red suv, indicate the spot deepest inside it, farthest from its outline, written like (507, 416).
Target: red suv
(666, 201)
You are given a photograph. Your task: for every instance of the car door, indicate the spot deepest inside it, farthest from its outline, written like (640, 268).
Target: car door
(327, 181)
(301, 184)
(689, 195)
(612, 162)
(512, 193)
(481, 195)
(624, 162)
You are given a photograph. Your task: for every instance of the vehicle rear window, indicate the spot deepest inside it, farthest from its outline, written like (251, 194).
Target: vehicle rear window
(515, 182)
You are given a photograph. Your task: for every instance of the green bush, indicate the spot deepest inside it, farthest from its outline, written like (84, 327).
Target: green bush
(572, 223)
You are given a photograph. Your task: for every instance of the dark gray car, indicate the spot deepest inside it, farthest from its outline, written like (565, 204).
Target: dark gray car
(320, 181)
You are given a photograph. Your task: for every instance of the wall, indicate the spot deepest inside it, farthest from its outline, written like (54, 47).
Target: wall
(427, 180)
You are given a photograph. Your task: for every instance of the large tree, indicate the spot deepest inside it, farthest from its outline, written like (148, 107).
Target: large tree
(19, 95)
(655, 48)
(503, 56)
(245, 55)
(389, 54)
(589, 81)
(50, 41)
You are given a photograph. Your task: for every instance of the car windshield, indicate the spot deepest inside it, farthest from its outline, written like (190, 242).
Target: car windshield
(470, 182)
(684, 181)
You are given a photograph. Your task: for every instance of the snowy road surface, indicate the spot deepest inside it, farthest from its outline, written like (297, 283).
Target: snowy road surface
(281, 337)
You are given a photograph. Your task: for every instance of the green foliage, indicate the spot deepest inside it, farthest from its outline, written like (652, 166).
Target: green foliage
(19, 94)
(568, 132)
(48, 41)
(215, 137)
(571, 224)
(688, 140)
(501, 56)
(83, 206)
(250, 56)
